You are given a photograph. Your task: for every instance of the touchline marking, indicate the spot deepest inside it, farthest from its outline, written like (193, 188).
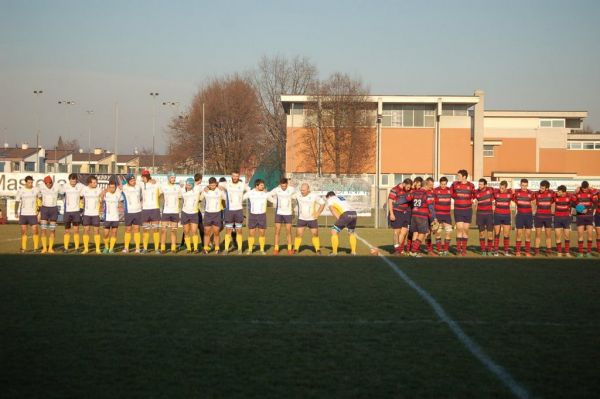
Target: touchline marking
(517, 389)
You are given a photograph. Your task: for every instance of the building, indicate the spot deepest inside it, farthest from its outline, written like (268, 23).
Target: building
(438, 135)
(20, 159)
(58, 161)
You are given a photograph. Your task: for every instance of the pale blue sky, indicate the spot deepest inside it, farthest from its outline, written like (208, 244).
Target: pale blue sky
(524, 54)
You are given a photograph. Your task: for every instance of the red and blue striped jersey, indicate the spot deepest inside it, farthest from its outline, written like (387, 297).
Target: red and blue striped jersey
(562, 206)
(524, 200)
(485, 198)
(421, 199)
(463, 195)
(443, 200)
(398, 195)
(503, 200)
(544, 201)
(585, 198)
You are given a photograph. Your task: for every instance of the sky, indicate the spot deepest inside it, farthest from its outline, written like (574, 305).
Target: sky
(103, 55)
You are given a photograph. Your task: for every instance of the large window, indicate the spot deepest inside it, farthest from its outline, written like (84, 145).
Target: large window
(552, 123)
(455, 109)
(408, 115)
(583, 145)
(103, 168)
(488, 150)
(29, 166)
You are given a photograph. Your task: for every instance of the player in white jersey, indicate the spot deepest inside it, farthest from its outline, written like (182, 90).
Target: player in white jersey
(71, 193)
(198, 187)
(150, 212)
(171, 193)
(26, 206)
(213, 199)
(257, 218)
(345, 217)
(309, 207)
(48, 191)
(110, 200)
(132, 207)
(234, 214)
(281, 196)
(92, 197)
(189, 214)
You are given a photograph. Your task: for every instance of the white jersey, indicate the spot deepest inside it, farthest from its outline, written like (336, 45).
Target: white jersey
(49, 195)
(212, 200)
(235, 195)
(91, 201)
(339, 205)
(72, 196)
(308, 205)
(191, 200)
(28, 201)
(282, 200)
(171, 195)
(257, 201)
(132, 198)
(150, 195)
(111, 205)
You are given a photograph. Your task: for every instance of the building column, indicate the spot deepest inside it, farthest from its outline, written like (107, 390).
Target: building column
(478, 131)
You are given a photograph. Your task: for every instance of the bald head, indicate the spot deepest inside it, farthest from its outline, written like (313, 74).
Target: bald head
(304, 189)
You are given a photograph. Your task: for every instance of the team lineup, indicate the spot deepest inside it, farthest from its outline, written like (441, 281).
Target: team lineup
(92, 207)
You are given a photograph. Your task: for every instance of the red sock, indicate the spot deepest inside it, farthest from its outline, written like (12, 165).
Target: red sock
(408, 246)
(580, 246)
(506, 244)
(558, 247)
(429, 245)
(598, 244)
(446, 245)
(567, 245)
(482, 244)
(416, 245)
(496, 242)
(518, 246)
(527, 247)
(438, 245)
(490, 245)
(464, 245)
(589, 246)
(537, 250)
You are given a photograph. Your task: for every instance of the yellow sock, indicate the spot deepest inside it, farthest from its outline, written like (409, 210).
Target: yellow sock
(195, 240)
(156, 240)
(66, 239)
(146, 239)
(36, 241)
(261, 242)
(137, 239)
(106, 242)
(334, 243)
(97, 242)
(188, 243)
(76, 240)
(44, 243)
(316, 243)
(289, 247)
(240, 241)
(86, 242)
(297, 243)
(173, 247)
(276, 247)
(163, 247)
(113, 241)
(206, 247)
(51, 243)
(23, 242)
(127, 240)
(217, 247)
(250, 243)
(352, 243)
(227, 241)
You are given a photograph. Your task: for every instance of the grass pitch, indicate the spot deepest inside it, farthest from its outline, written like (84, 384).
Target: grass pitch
(252, 326)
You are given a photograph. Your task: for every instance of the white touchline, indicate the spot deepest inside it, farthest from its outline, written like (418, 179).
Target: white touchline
(517, 389)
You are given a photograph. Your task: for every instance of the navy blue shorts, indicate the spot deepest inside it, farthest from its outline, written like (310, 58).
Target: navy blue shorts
(259, 221)
(402, 220)
(213, 219)
(524, 221)
(189, 218)
(150, 215)
(463, 215)
(347, 220)
(543, 221)
(283, 219)
(28, 220)
(111, 225)
(49, 213)
(562, 222)
(501, 220)
(91, 221)
(133, 219)
(419, 225)
(485, 221)
(584, 220)
(444, 218)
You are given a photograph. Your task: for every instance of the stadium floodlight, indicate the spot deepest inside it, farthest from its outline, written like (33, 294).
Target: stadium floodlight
(154, 95)
(37, 94)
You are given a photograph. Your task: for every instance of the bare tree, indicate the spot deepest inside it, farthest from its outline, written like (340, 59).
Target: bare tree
(273, 77)
(232, 122)
(67, 145)
(339, 123)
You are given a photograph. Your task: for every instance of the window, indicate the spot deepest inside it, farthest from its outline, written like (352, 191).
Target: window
(297, 109)
(384, 180)
(408, 115)
(76, 168)
(588, 146)
(29, 166)
(62, 168)
(2, 166)
(455, 109)
(552, 123)
(16, 166)
(103, 168)
(92, 169)
(583, 145)
(488, 150)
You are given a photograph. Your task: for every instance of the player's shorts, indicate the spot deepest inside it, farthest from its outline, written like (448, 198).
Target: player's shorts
(213, 219)
(419, 225)
(402, 220)
(584, 220)
(524, 221)
(485, 221)
(311, 224)
(170, 217)
(111, 225)
(91, 221)
(443, 218)
(257, 221)
(150, 215)
(543, 221)
(283, 219)
(562, 222)
(71, 218)
(49, 213)
(463, 215)
(234, 219)
(28, 220)
(133, 219)
(347, 220)
(501, 219)
(187, 218)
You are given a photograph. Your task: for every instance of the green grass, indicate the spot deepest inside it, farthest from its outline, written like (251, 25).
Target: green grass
(194, 326)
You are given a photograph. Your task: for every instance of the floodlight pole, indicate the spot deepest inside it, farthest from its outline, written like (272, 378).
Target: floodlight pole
(37, 93)
(377, 168)
(154, 95)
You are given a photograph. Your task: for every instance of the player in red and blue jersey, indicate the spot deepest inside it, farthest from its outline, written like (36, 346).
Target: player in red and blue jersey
(484, 196)
(562, 220)
(443, 201)
(583, 201)
(524, 198)
(422, 211)
(429, 185)
(503, 197)
(399, 213)
(596, 201)
(462, 193)
(544, 217)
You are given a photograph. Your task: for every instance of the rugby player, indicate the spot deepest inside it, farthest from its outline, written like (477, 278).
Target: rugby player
(198, 187)
(189, 214)
(543, 220)
(309, 206)
(213, 199)
(596, 201)
(462, 193)
(257, 218)
(281, 196)
(345, 218)
(583, 202)
(484, 196)
(562, 221)
(234, 213)
(91, 213)
(429, 184)
(110, 201)
(502, 217)
(171, 193)
(399, 213)
(72, 210)
(150, 212)
(423, 210)
(132, 204)
(524, 198)
(442, 196)
(26, 206)
(48, 191)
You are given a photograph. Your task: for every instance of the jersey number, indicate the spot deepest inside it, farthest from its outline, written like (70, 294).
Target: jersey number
(417, 203)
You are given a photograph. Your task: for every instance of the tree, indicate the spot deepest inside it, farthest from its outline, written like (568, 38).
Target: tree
(339, 123)
(273, 77)
(232, 126)
(67, 145)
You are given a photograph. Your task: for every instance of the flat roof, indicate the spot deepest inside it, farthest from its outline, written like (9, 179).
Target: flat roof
(534, 114)
(408, 99)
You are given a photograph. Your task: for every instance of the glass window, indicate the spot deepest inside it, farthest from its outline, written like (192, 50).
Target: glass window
(488, 150)
(558, 123)
(419, 117)
(29, 166)
(103, 168)
(386, 121)
(384, 180)
(16, 166)
(2, 166)
(76, 168)
(407, 116)
(574, 145)
(597, 147)
(545, 123)
(92, 169)
(588, 146)
(62, 168)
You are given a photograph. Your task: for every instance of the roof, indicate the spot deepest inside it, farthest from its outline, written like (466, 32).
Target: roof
(56, 155)
(126, 158)
(534, 114)
(85, 156)
(16, 153)
(407, 99)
